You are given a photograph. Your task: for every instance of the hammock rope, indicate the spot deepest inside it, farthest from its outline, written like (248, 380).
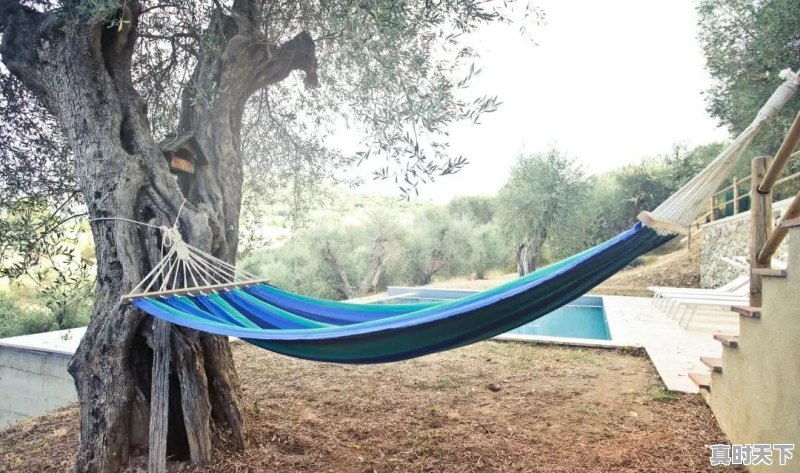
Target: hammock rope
(679, 210)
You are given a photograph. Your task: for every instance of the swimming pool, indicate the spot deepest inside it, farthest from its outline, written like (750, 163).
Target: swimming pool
(582, 318)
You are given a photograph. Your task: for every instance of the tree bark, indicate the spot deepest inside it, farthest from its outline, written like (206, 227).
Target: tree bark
(343, 287)
(375, 267)
(529, 251)
(80, 69)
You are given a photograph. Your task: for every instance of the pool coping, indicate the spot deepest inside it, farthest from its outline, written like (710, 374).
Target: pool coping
(564, 341)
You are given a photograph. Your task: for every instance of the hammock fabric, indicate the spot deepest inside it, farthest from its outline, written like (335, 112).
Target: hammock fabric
(340, 332)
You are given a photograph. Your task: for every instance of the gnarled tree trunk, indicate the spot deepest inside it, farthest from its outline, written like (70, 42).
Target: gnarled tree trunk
(80, 69)
(528, 252)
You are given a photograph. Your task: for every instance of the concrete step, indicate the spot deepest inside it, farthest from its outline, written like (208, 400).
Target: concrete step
(769, 272)
(703, 381)
(754, 312)
(712, 362)
(727, 340)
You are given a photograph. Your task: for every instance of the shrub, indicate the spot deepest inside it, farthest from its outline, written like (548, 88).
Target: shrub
(15, 319)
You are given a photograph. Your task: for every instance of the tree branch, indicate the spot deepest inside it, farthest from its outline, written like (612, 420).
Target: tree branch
(17, 26)
(10, 12)
(344, 287)
(299, 53)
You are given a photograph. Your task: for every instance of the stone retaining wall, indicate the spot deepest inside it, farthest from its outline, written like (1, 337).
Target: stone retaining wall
(730, 237)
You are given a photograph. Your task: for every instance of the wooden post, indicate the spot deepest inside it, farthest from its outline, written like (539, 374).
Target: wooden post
(782, 156)
(760, 224)
(713, 214)
(159, 398)
(735, 196)
(777, 236)
(689, 238)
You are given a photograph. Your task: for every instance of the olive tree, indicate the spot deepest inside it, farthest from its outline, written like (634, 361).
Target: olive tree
(541, 191)
(89, 88)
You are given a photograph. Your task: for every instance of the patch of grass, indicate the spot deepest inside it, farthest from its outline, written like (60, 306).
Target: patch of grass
(633, 351)
(440, 383)
(444, 383)
(663, 395)
(584, 409)
(577, 356)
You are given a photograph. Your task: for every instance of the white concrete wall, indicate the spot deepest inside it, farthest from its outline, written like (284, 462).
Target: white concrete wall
(32, 382)
(756, 397)
(33, 373)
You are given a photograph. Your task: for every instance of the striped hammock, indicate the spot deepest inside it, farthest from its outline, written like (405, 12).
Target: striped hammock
(343, 332)
(194, 289)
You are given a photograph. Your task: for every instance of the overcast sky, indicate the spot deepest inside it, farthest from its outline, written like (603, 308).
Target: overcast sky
(608, 82)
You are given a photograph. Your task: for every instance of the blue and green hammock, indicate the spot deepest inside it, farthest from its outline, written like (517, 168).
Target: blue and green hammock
(342, 332)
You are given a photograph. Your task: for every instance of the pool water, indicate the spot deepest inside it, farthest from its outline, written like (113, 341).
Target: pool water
(583, 318)
(572, 321)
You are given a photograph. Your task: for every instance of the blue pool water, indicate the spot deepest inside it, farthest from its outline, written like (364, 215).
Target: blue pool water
(583, 318)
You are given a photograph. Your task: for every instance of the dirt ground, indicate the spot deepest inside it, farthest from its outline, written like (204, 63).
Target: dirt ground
(493, 406)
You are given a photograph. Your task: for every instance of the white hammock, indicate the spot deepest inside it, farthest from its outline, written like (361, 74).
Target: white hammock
(678, 212)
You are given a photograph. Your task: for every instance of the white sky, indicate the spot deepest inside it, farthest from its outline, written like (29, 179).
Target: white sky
(609, 82)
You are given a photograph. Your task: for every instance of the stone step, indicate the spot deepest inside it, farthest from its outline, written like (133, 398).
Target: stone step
(754, 312)
(703, 381)
(769, 272)
(712, 362)
(727, 340)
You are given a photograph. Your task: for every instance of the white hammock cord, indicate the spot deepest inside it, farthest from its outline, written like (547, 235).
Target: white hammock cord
(183, 263)
(684, 206)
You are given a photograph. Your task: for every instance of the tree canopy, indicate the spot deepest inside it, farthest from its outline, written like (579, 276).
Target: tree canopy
(397, 73)
(542, 189)
(746, 44)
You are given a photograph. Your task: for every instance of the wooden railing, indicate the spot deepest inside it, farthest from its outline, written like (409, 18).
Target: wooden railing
(740, 201)
(764, 178)
(718, 206)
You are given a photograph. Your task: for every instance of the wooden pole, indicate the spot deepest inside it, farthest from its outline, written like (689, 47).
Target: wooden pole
(760, 224)
(735, 197)
(787, 147)
(689, 238)
(159, 398)
(126, 299)
(777, 236)
(713, 214)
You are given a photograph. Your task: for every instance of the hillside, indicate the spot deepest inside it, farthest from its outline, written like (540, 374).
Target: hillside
(674, 265)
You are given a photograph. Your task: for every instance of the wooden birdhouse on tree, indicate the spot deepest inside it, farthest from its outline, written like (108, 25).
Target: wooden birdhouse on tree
(183, 153)
(184, 156)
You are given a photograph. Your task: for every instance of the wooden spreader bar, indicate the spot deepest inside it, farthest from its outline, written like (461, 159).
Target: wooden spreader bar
(128, 298)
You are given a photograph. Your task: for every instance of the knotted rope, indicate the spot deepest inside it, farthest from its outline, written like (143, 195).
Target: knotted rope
(183, 265)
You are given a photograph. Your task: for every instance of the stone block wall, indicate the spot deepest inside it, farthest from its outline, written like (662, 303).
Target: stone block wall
(730, 237)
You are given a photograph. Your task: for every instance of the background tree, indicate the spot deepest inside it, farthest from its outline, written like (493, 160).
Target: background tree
(92, 85)
(439, 244)
(746, 44)
(480, 208)
(541, 191)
